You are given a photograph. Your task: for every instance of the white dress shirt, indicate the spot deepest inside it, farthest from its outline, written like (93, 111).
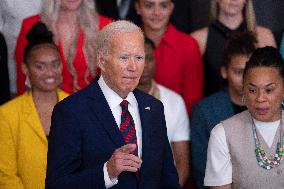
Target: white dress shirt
(114, 100)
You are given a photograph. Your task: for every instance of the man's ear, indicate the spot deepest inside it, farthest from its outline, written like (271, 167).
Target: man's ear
(25, 69)
(101, 60)
(223, 71)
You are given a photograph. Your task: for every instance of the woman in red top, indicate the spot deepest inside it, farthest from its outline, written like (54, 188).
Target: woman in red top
(178, 60)
(74, 24)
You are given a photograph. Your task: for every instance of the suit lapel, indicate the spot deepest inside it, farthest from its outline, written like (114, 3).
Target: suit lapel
(30, 116)
(146, 125)
(103, 112)
(145, 115)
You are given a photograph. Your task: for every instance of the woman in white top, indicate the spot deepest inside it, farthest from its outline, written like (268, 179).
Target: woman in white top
(246, 150)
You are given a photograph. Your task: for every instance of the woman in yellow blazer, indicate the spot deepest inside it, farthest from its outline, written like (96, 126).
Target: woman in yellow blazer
(25, 120)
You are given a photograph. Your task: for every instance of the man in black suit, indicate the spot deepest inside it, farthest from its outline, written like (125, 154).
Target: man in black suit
(110, 135)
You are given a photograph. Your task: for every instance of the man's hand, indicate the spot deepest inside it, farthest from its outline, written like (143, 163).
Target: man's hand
(122, 159)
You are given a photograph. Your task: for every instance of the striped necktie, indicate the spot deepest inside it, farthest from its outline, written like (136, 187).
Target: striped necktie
(127, 126)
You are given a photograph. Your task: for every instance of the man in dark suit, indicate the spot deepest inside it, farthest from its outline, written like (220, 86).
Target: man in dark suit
(110, 135)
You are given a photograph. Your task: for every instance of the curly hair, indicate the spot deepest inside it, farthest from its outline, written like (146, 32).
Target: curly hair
(88, 23)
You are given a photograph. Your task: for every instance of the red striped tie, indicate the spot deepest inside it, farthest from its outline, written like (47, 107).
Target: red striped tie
(127, 126)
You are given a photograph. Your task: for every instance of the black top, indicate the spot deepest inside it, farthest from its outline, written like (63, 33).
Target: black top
(213, 56)
(4, 76)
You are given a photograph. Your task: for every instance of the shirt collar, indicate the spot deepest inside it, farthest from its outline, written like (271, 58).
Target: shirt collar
(170, 36)
(113, 99)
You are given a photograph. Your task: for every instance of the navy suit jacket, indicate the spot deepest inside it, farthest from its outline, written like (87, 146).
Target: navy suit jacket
(84, 135)
(205, 115)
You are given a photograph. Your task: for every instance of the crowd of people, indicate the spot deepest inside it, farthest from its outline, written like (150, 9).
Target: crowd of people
(119, 94)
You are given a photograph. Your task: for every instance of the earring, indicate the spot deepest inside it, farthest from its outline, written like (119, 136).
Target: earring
(28, 83)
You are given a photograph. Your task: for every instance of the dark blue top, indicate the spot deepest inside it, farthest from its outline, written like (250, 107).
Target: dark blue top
(205, 115)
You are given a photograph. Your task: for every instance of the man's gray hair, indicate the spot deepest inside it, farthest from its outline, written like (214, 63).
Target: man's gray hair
(105, 36)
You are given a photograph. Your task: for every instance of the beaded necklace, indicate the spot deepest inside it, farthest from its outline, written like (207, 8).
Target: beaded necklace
(264, 161)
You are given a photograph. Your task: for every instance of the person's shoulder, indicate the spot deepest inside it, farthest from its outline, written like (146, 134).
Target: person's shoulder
(32, 19)
(29, 22)
(15, 105)
(236, 119)
(80, 99)
(200, 33)
(169, 94)
(213, 100)
(201, 36)
(76, 100)
(262, 29)
(146, 98)
(62, 94)
(103, 21)
(176, 33)
(265, 37)
(75, 97)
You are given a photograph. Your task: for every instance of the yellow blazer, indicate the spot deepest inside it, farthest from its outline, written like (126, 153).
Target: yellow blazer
(23, 144)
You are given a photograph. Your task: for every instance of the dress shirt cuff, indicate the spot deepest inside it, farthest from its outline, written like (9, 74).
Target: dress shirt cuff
(109, 182)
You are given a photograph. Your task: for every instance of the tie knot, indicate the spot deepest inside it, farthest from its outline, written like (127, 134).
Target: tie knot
(124, 104)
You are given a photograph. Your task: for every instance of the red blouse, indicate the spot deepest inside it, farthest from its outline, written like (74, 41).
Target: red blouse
(79, 59)
(179, 65)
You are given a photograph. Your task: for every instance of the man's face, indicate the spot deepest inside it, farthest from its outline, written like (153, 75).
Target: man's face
(155, 14)
(123, 65)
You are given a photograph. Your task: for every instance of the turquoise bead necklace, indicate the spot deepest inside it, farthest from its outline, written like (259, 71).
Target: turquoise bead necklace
(262, 159)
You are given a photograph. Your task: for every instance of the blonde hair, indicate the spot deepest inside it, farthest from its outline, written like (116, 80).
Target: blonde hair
(88, 23)
(249, 14)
